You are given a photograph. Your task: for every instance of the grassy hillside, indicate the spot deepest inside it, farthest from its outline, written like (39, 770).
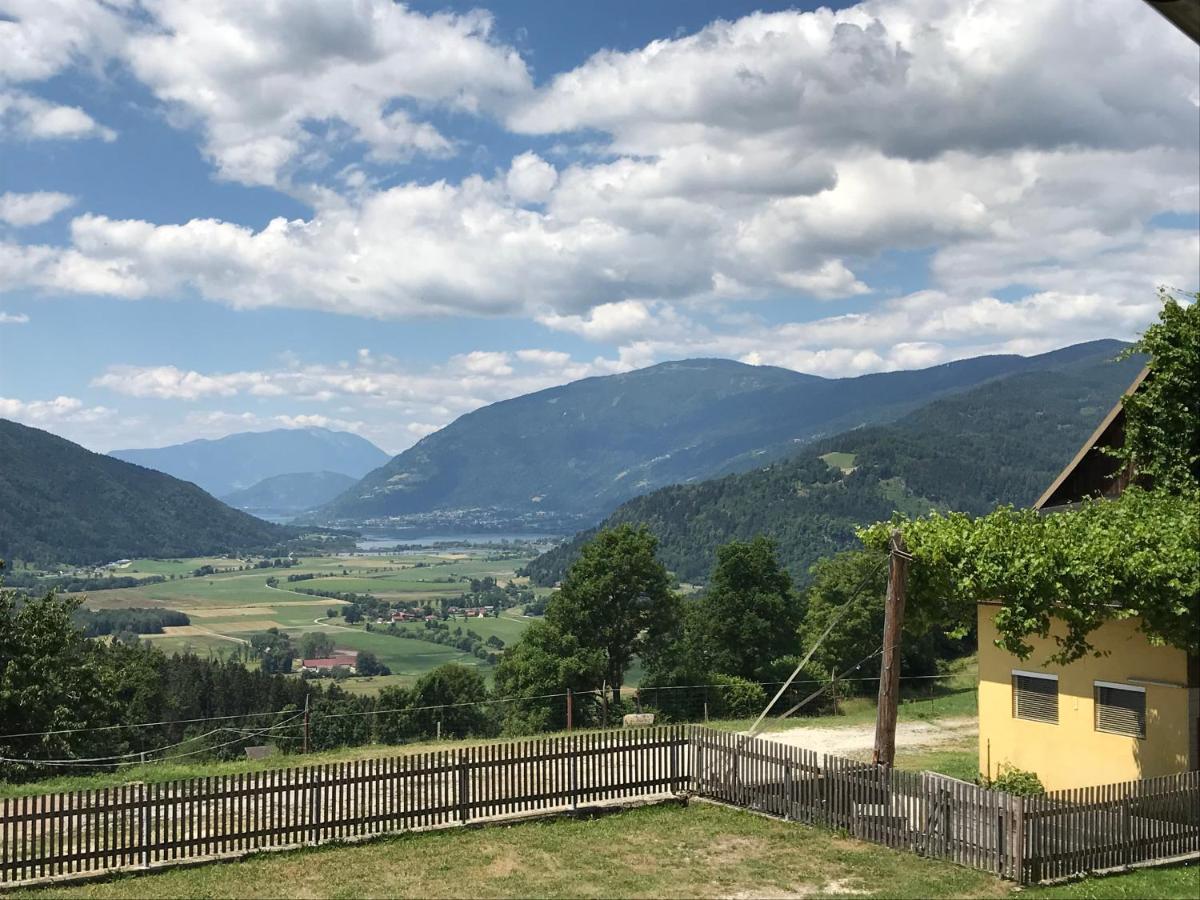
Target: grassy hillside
(62, 503)
(568, 455)
(1002, 442)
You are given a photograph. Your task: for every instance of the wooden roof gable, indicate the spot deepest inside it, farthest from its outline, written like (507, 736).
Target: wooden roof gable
(1091, 472)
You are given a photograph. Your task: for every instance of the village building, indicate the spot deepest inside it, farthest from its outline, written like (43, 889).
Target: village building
(347, 659)
(1130, 712)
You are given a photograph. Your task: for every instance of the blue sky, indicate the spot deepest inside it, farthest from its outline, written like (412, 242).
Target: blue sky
(376, 217)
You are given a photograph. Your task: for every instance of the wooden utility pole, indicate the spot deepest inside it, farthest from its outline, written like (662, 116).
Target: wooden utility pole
(570, 710)
(889, 670)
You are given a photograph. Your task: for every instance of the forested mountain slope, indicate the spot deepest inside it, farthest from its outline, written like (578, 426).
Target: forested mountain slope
(62, 503)
(1002, 442)
(291, 493)
(239, 461)
(571, 454)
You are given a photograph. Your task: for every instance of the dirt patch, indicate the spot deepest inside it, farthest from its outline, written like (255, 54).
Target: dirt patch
(848, 740)
(505, 863)
(224, 612)
(248, 625)
(181, 631)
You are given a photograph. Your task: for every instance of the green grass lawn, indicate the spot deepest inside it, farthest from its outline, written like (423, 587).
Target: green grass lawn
(664, 851)
(700, 850)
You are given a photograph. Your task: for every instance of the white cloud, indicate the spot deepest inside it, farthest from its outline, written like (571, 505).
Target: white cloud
(530, 178)
(61, 409)
(612, 322)
(34, 208)
(7, 318)
(25, 116)
(169, 382)
(265, 81)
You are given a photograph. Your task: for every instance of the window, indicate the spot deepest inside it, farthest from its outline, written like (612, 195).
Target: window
(1035, 697)
(1121, 709)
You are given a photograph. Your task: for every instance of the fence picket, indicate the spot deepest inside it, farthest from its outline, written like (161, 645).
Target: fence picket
(1059, 834)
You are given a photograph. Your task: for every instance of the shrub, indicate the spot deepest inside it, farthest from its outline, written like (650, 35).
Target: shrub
(736, 698)
(1012, 780)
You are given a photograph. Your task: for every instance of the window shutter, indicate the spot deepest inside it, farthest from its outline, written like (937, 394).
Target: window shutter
(1035, 698)
(1120, 710)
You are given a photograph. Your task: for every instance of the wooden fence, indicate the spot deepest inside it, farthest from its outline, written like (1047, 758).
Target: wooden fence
(138, 826)
(1026, 839)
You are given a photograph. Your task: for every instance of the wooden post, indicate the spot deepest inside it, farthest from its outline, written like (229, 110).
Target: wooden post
(889, 672)
(570, 710)
(604, 704)
(306, 723)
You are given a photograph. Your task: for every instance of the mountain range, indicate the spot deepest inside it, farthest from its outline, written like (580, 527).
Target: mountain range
(564, 457)
(60, 502)
(287, 495)
(239, 461)
(1001, 442)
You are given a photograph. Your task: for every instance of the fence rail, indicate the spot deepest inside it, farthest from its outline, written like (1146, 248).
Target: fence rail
(1026, 839)
(136, 826)
(87, 832)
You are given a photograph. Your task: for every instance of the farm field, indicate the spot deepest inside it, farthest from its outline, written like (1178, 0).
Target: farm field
(699, 850)
(226, 608)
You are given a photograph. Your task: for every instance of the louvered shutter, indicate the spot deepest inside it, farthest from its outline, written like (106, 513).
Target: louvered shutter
(1035, 697)
(1120, 710)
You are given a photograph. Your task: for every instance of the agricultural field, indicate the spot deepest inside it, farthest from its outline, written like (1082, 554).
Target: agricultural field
(227, 607)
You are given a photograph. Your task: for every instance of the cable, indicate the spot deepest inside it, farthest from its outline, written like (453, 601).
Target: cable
(80, 762)
(837, 617)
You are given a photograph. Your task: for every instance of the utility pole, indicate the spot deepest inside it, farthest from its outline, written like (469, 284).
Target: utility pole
(889, 670)
(306, 723)
(570, 710)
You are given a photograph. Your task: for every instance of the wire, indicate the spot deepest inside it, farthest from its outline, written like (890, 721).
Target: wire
(133, 762)
(275, 712)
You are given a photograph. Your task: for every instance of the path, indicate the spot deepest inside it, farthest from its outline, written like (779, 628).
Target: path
(848, 740)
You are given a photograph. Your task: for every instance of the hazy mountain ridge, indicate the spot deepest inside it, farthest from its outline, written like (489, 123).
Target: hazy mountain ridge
(291, 493)
(1001, 442)
(60, 502)
(240, 461)
(578, 451)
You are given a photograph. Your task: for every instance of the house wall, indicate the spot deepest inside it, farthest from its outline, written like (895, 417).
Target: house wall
(1072, 753)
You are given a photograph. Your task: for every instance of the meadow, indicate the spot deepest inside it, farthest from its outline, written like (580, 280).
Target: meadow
(228, 606)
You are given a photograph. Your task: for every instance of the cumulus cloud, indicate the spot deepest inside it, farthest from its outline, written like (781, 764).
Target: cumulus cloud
(169, 382)
(25, 116)
(61, 409)
(530, 178)
(34, 208)
(356, 70)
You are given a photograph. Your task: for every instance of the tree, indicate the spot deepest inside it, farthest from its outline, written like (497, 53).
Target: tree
(352, 614)
(545, 661)
(616, 598)
(750, 613)
(369, 664)
(316, 645)
(850, 587)
(52, 679)
(274, 650)
(1162, 440)
(455, 696)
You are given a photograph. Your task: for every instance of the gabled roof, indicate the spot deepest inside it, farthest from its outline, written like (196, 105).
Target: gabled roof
(1092, 470)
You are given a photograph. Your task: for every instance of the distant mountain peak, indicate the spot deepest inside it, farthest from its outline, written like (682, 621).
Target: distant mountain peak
(239, 461)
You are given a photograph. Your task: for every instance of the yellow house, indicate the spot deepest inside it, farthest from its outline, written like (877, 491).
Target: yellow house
(1133, 712)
